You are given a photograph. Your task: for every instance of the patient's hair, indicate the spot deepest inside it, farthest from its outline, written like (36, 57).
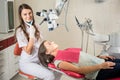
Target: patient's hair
(44, 58)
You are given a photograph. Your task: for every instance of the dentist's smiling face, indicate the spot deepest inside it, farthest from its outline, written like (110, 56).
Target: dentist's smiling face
(27, 15)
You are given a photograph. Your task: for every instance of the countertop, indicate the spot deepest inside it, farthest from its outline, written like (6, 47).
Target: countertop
(6, 35)
(6, 40)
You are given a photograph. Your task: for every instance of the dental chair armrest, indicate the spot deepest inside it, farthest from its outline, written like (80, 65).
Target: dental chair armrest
(69, 73)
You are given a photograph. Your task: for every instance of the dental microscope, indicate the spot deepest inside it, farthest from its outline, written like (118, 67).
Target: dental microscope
(51, 15)
(110, 42)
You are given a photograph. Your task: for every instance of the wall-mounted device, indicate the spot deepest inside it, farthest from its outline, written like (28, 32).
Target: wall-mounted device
(99, 1)
(6, 16)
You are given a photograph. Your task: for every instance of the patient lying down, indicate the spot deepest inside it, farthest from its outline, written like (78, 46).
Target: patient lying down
(73, 59)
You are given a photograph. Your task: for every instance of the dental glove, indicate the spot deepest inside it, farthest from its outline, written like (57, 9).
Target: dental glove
(32, 32)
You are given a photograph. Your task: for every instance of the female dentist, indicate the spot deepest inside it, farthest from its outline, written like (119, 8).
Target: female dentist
(29, 39)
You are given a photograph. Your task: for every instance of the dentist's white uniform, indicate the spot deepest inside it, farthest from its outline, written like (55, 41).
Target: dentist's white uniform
(30, 63)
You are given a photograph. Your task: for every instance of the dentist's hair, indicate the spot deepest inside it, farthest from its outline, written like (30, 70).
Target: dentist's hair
(44, 58)
(22, 24)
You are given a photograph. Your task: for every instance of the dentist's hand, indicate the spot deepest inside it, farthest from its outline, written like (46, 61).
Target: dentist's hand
(32, 32)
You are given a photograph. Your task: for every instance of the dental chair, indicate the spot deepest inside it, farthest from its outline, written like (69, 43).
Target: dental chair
(17, 52)
(76, 76)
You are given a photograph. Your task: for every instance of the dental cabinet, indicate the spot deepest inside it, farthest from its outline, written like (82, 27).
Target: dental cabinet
(8, 61)
(6, 16)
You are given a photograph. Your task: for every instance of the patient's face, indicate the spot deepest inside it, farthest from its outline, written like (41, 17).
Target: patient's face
(50, 46)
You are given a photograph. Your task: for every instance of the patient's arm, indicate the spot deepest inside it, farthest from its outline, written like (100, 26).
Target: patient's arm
(85, 69)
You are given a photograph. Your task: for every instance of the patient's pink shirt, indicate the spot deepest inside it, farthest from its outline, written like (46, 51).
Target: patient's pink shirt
(69, 54)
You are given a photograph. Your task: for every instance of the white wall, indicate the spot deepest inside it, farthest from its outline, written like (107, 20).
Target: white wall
(105, 19)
